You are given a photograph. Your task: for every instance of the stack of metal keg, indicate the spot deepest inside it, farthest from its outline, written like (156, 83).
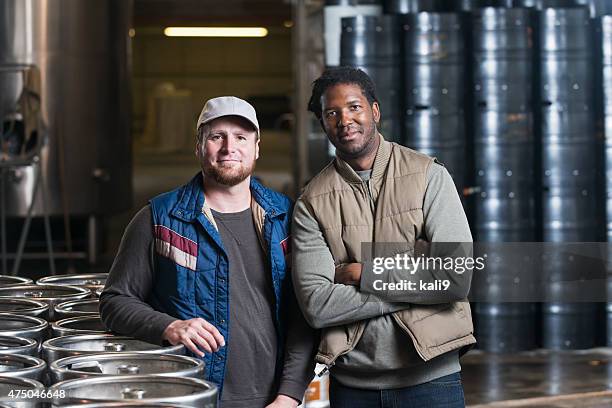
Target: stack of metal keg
(503, 61)
(372, 44)
(569, 171)
(434, 89)
(604, 30)
(51, 336)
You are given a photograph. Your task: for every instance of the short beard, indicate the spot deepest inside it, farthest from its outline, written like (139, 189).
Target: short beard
(359, 151)
(228, 178)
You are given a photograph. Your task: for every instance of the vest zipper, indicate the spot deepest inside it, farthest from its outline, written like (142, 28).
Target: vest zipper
(369, 190)
(404, 327)
(325, 369)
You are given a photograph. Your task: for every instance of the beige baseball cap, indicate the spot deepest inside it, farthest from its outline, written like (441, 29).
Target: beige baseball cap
(227, 106)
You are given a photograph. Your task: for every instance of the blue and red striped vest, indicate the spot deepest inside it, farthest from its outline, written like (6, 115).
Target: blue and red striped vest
(191, 278)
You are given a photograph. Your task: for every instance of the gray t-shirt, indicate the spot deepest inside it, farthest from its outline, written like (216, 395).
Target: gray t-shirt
(249, 378)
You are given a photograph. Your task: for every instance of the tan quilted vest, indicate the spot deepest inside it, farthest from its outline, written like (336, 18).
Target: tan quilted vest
(342, 206)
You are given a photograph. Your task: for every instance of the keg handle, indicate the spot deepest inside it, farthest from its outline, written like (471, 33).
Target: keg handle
(33, 294)
(114, 346)
(132, 393)
(128, 369)
(93, 282)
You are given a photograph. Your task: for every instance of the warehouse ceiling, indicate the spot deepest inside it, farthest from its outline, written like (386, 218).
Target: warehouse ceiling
(211, 12)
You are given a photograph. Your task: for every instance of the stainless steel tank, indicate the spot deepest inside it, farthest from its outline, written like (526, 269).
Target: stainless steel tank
(60, 347)
(50, 294)
(7, 280)
(23, 326)
(74, 308)
(8, 384)
(92, 281)
(74, 326)
(15, 365)
(82, 51)
(22, 306)
(150, 389)
(107, 364)
(18, 345)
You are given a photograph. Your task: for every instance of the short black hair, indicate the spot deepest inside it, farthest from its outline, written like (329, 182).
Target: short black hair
(340, 75)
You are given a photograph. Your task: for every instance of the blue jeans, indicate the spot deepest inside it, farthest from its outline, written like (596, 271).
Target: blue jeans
(443, 392)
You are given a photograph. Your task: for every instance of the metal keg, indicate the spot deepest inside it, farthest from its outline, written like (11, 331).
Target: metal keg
(428, 131)
(566, 327)
(372, 44)
(92, 281)
(106, 364)
(74, 326)
(7, 280)
(18, 345)
(123, 405)
(333, 12)
(15, 365)
(23, 326)
(50, 294)
(14, 384)
(499, 323)
(604, 26)
(22, 306)
(149, 389)
(416, 6)
(60, 347)
(434, 99)
(74, 308)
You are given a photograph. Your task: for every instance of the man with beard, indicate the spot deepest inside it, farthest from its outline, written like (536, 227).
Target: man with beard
(204, 266)
(380, 353)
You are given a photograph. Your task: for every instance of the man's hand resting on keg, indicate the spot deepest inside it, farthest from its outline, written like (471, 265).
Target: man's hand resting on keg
(195, 334)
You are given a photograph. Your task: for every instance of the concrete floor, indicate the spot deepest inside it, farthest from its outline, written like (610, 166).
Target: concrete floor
(539, 379)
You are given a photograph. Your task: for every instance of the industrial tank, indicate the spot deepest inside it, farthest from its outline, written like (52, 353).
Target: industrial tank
(81, 49)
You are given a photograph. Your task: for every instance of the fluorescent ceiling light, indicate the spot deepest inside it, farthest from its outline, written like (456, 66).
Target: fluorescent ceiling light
(215, 31)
